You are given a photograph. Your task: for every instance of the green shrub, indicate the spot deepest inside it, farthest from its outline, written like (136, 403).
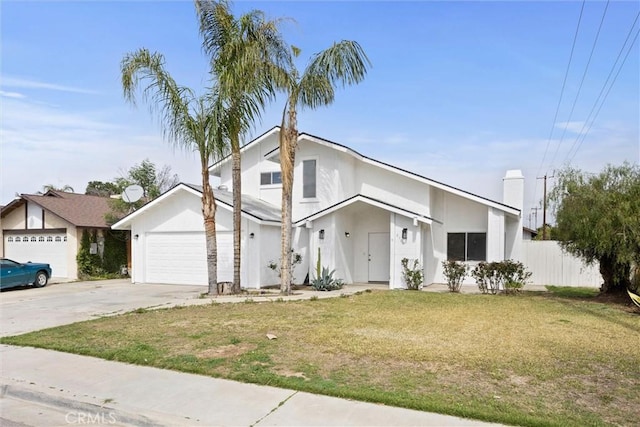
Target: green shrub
(326, 281)
(296, 259)
(508, 275)
(454, 272)
(412, 276)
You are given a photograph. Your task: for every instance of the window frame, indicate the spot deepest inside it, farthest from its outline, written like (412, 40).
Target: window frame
(271, 175)
(478, 253)
(315, 184)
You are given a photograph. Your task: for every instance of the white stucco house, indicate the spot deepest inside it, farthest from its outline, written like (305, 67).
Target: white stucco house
(364, 215)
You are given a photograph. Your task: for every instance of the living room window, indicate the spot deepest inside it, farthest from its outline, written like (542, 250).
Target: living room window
(467, 246)
(269, 178)
(309, 179)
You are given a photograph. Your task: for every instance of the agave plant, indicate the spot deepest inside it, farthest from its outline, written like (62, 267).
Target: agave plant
(326, 281)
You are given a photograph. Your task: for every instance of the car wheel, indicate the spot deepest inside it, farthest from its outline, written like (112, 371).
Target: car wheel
(41, 280)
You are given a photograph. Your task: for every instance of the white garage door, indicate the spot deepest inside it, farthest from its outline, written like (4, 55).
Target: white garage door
(47, 248)
(181, 258)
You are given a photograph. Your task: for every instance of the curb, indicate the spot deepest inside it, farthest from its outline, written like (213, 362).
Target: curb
(101, 414)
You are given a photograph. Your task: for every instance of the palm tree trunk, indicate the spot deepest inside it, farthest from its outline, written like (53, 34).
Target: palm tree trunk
(209, 214)
(237, 217)
(287, 161)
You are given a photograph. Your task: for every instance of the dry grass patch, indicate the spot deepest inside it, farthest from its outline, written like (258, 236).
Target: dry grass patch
(525, 360)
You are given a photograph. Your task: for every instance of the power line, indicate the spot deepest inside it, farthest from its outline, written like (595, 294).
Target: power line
(584, 75)
(570, 157)
(564, 83)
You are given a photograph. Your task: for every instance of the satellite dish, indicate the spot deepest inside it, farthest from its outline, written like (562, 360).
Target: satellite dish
(132, 193)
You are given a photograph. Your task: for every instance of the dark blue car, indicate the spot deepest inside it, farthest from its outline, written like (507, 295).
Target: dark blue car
(14, 274)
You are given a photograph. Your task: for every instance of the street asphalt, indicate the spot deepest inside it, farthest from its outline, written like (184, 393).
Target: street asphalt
(48, 388)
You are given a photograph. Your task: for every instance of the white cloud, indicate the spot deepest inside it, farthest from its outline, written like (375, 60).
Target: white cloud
(16, 82)
(573, 127)
(11, 94)
(43, 144)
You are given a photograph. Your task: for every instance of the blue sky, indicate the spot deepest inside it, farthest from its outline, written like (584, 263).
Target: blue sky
(459, 91)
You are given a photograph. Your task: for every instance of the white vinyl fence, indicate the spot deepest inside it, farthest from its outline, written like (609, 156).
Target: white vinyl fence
(550, 265)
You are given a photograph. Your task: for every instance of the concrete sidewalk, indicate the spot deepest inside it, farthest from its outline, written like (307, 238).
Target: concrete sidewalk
(66, 389)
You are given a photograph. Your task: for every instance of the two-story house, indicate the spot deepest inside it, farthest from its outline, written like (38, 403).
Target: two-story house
(363, 215)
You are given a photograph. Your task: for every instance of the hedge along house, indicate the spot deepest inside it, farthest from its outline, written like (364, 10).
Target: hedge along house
(48, 228)
(363, 215)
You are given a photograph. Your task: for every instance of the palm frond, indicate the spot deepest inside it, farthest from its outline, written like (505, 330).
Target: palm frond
(344, 63)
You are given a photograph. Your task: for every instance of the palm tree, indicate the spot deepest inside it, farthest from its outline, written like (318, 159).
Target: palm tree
(344, 63)
(189, 122)
(245, 53)
(49, 187)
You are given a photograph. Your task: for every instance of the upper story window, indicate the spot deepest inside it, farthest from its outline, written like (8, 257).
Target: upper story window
(309, 179)
(269, 178)
(467, 246)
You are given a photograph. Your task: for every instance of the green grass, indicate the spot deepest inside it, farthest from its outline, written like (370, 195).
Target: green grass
(572, 292)
(533, 359)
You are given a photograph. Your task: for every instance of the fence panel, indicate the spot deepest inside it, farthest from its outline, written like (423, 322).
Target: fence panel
(550, 265)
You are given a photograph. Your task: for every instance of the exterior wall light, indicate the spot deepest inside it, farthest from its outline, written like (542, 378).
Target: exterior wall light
(252, 235)
(347, 234)
(404, 234)
(321, 234)
(136, 236)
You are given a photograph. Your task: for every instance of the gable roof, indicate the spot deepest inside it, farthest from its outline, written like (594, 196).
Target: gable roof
(252, 208)
(369, 201)
(412, 175)
(80, 210)
(217, 165)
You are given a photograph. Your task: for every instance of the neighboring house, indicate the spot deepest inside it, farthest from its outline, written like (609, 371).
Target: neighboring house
(529, 233)
(363, 215)
(48, 228)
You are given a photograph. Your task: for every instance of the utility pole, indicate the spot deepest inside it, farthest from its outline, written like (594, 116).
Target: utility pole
(544, 207)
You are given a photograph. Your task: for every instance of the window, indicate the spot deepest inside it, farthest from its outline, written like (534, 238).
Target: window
(33, 239)
(49, 239)
(17, 239)
(309, 179)
(9, 239)
(467, 246)
(268, 178)
(41, 239)
(58, 239)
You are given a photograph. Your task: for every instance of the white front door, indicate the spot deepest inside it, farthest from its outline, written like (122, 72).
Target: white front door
(379, 257)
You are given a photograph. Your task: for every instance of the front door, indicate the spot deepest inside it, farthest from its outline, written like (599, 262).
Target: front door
(379, 257)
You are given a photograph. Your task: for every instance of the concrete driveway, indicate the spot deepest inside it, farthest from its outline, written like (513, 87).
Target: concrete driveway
(30, 309)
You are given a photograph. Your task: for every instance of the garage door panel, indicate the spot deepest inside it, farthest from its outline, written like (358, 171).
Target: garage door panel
(46, 248)
(181, 258)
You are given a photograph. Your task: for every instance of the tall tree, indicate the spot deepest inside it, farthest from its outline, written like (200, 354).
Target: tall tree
(342, 64)
(598, 219)
(154, 182)
(190, 122)
(102, 189)
(244, 53)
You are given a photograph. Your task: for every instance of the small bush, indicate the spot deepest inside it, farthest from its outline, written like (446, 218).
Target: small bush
(296, 259)
(509, 276)
(454, 272)
(326, 281)
(412, 276)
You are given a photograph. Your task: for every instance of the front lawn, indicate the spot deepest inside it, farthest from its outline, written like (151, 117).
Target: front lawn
(531, 359)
